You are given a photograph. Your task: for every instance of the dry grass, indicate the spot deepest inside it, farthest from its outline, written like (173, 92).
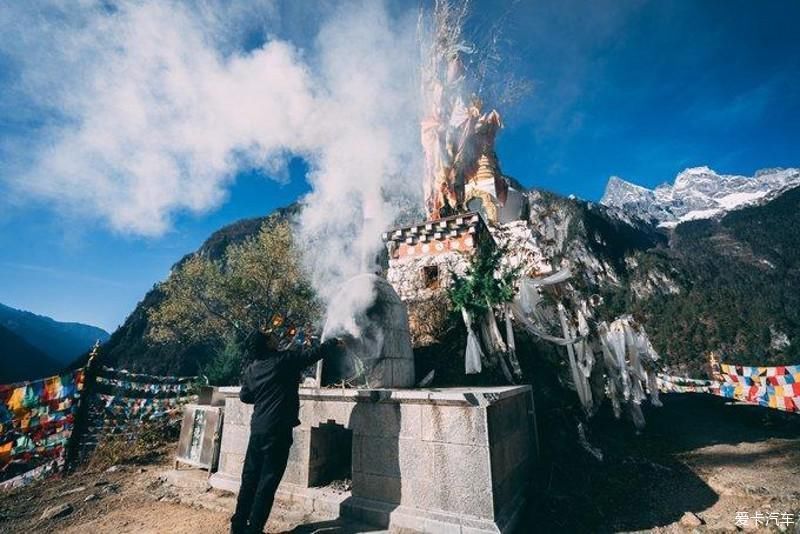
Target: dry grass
(145, 446)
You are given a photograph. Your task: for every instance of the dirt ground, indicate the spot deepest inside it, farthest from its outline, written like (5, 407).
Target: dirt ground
(128, 499)
(698, 454)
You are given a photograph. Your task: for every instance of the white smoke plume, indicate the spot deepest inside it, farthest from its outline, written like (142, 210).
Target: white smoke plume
(370, 164)
(146, 109)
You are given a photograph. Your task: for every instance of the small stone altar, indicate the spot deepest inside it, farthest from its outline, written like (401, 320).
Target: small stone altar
(428, 460)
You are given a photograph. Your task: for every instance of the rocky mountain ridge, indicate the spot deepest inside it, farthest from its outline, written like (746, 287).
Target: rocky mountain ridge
(692, 287)
(697, 193)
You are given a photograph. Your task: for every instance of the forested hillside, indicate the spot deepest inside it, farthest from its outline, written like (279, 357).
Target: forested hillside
(132, 346)
(739, 287)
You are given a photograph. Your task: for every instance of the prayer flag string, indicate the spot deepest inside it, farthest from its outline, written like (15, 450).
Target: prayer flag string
(37, 418)
(36, 422)
(771, 387)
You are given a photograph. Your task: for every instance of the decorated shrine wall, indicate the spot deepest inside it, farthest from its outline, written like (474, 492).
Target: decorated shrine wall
(423, 260)
(437, 245)
(424, 257)
(412, 278)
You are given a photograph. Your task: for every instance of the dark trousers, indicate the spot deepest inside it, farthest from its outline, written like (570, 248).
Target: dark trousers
(264, 465)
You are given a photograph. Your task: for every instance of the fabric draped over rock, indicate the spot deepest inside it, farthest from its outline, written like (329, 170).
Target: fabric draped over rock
(615, 359)
(525, 306)
(473, 355)
(579, 379)
(629, 360)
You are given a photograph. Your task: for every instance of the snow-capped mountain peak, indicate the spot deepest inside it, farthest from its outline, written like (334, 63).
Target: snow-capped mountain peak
(623, 191)
(697, 193)
(696, 178)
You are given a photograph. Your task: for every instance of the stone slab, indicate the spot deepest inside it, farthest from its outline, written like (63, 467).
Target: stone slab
(391, 419)
(478, 396)
(234, 437)
(454, 424)
(382, 488)
(466, 465)
(380, 456)
(231, 462)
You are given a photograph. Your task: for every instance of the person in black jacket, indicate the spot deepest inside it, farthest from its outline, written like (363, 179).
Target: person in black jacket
(270, 383)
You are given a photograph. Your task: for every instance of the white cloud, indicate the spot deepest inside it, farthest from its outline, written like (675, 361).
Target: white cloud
(146, 109)
(149, 109)
(369, 163)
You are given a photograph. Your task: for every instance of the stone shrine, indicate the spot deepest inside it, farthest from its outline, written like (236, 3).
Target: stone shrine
(421, 460)
(378, 351)
(426, 460)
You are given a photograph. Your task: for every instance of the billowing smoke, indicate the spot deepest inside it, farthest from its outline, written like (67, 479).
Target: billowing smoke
(141, 110)
(370, 165)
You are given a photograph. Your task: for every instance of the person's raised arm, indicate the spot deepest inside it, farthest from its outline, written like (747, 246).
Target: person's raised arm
(302, 359)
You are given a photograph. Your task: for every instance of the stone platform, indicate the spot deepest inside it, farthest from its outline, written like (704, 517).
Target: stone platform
(428, 460)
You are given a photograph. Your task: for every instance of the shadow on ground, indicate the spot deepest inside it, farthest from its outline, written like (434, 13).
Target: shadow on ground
(644, 481)
(335, 526)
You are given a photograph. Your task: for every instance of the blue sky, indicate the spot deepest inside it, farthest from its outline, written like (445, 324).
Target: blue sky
(641, 90)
